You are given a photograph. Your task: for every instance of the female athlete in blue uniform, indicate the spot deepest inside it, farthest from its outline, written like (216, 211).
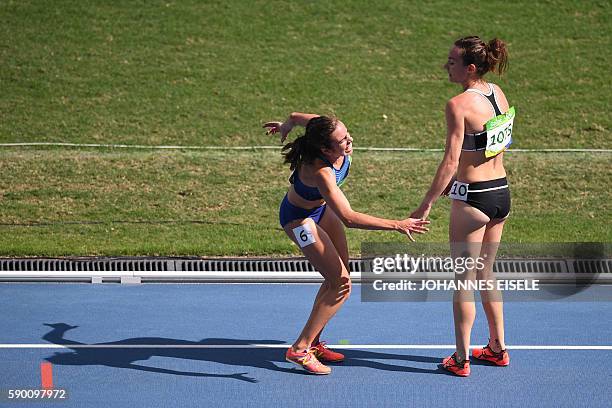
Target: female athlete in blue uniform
(479, 129)
(313, 213)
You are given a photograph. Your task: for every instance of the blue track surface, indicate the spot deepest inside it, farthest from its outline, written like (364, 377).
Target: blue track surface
(187, 316)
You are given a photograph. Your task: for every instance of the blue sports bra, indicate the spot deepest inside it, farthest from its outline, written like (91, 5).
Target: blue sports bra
(473, 142)
(312, 193)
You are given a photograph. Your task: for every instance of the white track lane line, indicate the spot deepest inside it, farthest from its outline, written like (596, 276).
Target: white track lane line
(282, 346)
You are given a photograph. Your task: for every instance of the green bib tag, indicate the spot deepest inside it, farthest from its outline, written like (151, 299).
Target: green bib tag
(499, 133)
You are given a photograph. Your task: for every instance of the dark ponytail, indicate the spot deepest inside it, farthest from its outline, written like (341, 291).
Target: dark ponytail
(497, 55)
(293, 151)
(486, 57)
(306, 148)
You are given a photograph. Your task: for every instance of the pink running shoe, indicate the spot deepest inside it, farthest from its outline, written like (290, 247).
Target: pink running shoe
(324, 354)
(307, 360)
(461, 369)
(486, 353)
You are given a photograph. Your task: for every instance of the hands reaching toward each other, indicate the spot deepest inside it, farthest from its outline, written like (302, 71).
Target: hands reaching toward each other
(413, 225)
(421, 213)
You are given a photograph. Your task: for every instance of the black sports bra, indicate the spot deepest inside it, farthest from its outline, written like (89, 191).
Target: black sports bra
(473, 142)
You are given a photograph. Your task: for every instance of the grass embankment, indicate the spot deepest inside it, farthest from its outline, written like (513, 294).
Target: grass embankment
(217, 203)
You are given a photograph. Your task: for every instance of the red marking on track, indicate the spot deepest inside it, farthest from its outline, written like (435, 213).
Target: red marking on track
(46, 375)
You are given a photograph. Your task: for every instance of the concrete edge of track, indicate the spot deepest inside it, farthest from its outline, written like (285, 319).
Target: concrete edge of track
(590, 270)
(284, 276)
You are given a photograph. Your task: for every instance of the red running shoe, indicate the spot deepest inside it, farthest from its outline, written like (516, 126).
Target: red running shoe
(461, 369)
(325, 354)
(501, 359)
(307, 360)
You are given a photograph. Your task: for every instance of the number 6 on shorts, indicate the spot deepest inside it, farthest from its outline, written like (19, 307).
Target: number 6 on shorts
(303, 235)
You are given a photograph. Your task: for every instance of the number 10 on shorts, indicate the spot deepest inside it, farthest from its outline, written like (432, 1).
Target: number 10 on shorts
(303, 235)
(459, 191)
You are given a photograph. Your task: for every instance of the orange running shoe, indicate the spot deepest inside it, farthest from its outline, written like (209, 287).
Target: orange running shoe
(461, 369)
(501, 359)
(307, 360)
(325, 354)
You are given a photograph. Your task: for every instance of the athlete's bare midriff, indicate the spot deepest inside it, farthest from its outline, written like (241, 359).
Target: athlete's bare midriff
(301, 202)
(473, 167)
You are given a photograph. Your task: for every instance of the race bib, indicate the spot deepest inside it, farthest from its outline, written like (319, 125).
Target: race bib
(303, 235)
(499, 133)
(459, 191)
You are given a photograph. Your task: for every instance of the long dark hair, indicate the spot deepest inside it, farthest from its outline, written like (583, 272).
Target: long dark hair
(306, 148)
(492, 56)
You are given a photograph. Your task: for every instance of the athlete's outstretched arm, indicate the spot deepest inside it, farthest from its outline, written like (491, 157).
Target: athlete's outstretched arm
(294, 119)
(336, 200)
(448, 167)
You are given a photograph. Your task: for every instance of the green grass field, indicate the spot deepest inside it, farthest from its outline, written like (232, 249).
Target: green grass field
(210, 73)
(224, 203)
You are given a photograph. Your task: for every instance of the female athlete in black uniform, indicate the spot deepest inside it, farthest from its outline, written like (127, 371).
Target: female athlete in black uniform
(479, 129)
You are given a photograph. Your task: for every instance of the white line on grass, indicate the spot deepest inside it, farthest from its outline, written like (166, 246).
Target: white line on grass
(373, 149)
(282, 346)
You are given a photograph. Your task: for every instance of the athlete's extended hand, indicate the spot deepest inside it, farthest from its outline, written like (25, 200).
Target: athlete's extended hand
(413, 225)
(422, 212)
(278, 127)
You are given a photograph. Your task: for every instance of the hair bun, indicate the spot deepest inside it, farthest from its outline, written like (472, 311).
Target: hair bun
(496, 45)
(497, 56)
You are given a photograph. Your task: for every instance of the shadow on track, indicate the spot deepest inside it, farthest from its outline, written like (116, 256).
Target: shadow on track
(264, 358)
